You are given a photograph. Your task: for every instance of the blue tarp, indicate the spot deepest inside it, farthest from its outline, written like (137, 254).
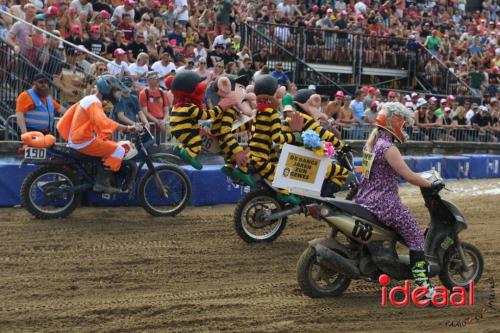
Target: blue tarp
(211, 187)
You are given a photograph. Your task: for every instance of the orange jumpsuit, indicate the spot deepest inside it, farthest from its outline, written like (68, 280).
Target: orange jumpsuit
(87, 129)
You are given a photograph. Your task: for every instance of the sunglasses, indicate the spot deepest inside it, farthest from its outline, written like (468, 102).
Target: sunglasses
(203, 63)
(219, 66)
(140, 37)
(102, 69)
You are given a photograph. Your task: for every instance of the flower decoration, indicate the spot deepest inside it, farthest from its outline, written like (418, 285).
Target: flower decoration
(311, 140)
(329, 149)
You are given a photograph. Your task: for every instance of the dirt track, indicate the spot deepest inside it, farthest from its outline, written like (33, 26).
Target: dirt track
(118, 270)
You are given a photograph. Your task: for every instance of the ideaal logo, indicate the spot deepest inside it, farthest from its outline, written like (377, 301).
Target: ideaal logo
(459, 296)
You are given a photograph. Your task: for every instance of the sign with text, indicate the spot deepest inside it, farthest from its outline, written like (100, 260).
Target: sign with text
(300, 169)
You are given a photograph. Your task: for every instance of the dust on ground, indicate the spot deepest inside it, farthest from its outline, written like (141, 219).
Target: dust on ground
(120, 270)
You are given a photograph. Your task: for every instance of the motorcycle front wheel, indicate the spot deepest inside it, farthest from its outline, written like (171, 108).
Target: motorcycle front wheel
(47, 193)
(164, 191)
(454, 274)
(249, 214)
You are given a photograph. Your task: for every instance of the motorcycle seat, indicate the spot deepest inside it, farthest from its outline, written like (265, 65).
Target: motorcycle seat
(357, 210)
(75, 154)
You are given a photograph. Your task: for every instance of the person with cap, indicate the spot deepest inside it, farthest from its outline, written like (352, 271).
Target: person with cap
(87, 129)
(392, 97)
(332, 109)
(127, 26)
(95, 43)
(443, 103)
(127, 111)
(75, 37)
(483, 123)
(421, 122)
(371, 113)
(378, 190)
(369, 97)
(36, 109)
(470, 113)
(155, 104)
(118, 67)
(216, 56)
(280, 75)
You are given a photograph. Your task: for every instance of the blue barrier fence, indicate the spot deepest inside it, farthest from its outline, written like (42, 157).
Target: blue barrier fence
(211, 187)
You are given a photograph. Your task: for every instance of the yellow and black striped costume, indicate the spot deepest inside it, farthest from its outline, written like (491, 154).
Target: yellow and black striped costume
(267, 132)
(335, 172)
(222, 129)
(185, 128)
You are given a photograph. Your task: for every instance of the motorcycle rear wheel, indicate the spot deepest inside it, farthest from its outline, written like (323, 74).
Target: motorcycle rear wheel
(51, 205)
(248, 215)
(453, 275)
(310, 275)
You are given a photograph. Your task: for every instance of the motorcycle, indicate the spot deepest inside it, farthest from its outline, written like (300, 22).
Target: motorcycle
(260, 217)
(56, 188)
(327, 266)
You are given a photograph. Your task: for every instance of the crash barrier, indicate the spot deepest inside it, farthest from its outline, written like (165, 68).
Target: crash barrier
(211, 187)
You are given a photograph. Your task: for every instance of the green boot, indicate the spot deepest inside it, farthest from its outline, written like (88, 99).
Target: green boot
(177, 150)
(244, 177)
(191, 160)
(228, 171)
(290, 198)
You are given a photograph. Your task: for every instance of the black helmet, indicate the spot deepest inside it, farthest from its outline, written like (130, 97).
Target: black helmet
(265, 84)
(186, 81)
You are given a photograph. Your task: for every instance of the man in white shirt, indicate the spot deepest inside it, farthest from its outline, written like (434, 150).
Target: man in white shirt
(82, 6)
(118, 67)
(223, 39)
(182, 12)
(285, 8)
(127, 7)
(474, 109)
(200, 52)
(360, 8)
(164, 67)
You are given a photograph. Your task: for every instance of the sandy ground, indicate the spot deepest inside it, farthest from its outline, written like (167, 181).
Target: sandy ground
(119, 270)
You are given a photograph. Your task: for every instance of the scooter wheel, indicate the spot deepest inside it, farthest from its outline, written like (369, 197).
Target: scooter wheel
(453, 273)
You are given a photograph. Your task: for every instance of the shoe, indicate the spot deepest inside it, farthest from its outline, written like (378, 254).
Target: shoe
(228, 171)
(244, 177)
(191, 160)
(103, 182)
(290, 198)
(177, 150)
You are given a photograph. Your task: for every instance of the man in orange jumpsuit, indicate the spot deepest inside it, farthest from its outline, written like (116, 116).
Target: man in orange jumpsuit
(87, 129)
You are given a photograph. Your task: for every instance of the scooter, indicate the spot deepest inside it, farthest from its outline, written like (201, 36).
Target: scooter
(327, 266)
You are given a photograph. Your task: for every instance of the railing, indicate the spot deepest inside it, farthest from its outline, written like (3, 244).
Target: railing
(353, 132)
(360, 52)
(297, 70)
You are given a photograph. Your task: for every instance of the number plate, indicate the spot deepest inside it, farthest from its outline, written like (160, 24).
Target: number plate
(35, 153)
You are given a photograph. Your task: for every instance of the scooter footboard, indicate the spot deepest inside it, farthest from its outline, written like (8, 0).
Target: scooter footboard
(387, 260)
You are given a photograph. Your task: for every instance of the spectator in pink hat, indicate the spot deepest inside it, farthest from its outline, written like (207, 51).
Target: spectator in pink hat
(95, 43)
(119, 67)
(392, 97)
(74, 37)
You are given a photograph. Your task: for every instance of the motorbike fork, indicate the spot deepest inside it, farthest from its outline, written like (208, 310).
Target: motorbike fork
(462, 255)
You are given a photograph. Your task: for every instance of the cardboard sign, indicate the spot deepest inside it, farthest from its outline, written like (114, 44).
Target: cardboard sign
(367, 163)
(300, 170)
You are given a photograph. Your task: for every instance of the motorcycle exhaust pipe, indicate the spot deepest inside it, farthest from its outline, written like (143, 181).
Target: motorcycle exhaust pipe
(332, 260)
(282, 214)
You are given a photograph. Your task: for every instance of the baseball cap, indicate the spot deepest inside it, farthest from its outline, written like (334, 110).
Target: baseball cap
(152, 75)
(443, 101)
(413, 95)
(407, 97)
(312, 87)
(483, 108)
(433, 99)
(360, 18)
(391, 94)
(40, 77)
(340, 94)
(119, 51)
(329, 10)
(52, 11)
(219, 46)
(374, 104)
(343, 13)
(371, 90)
(447, 109)
(105, 14)
(75, 28)
(173, 42)
(421, 102)
(130, 2)
(450, 98)
(127, 81)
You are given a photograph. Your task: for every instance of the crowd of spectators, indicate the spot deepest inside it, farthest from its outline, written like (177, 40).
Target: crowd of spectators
(131, 38)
